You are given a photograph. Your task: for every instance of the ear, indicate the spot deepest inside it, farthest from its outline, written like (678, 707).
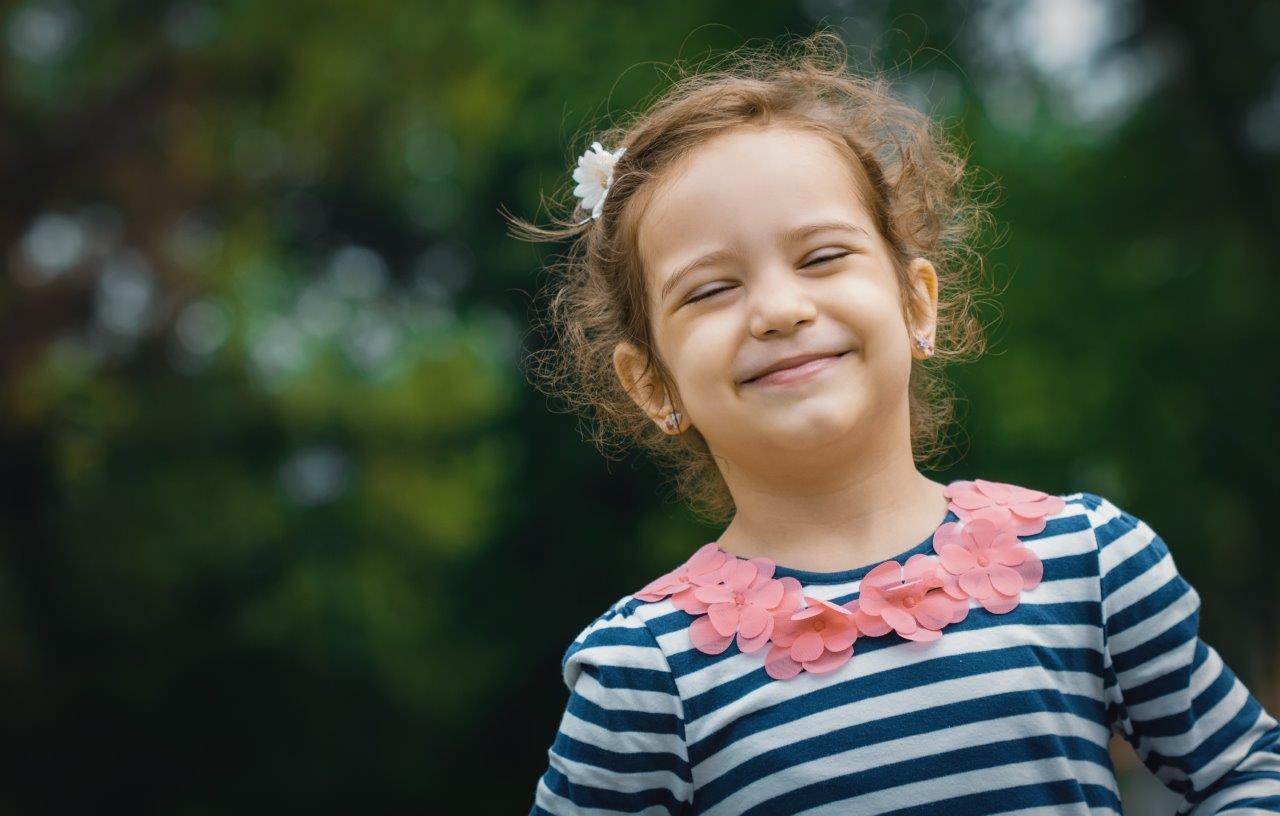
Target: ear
(924, 279)
(642, 385)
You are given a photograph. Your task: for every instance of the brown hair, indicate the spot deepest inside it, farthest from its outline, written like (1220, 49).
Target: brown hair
(914, 185)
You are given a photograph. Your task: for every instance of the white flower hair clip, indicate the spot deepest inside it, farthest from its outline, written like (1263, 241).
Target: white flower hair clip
(595, 176)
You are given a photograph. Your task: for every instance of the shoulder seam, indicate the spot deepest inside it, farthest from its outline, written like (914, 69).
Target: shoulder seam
(675, 689)
(621, 610)
(579, 638)
(1104, 510)
(1097, 577)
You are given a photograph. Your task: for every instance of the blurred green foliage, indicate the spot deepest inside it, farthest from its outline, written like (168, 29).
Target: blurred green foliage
(286, 529)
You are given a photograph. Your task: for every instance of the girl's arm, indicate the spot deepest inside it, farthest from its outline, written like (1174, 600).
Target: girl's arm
(620, 746)
(1190, 719)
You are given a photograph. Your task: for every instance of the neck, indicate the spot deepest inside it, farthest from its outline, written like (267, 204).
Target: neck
(842, 513)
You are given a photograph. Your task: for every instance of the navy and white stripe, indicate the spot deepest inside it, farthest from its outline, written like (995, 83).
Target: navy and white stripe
(1004, 714)
(1191, 720)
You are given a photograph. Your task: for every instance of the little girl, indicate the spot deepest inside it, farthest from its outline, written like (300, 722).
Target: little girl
(768, 269)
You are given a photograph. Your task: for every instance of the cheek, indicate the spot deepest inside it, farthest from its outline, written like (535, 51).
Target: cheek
(869, 310)
(707, 355)
(703, 355)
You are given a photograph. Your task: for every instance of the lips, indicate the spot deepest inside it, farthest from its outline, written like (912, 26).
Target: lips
(792, 364)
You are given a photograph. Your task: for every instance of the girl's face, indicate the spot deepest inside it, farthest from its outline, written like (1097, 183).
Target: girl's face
(790, 264)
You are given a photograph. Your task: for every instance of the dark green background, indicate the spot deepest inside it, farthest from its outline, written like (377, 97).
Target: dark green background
(286, 530)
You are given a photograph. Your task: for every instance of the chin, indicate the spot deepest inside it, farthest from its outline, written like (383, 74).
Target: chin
(809, 427)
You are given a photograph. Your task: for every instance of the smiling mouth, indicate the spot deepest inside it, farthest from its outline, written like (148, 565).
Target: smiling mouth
(799, 373)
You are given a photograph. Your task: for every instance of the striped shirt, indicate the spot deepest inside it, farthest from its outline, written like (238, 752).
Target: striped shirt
(1008, 713)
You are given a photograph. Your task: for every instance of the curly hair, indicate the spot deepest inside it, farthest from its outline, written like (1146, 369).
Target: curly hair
(920, 197)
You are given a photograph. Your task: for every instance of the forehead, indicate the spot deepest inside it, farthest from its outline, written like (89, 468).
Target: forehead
(743, 185)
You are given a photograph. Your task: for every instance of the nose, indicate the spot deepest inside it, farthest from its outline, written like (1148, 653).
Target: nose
(780, 303)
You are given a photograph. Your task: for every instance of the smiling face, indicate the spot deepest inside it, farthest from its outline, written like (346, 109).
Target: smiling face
(792, 264)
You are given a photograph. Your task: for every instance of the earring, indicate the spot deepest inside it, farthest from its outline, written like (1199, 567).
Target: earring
(672, 422)
(924, 345)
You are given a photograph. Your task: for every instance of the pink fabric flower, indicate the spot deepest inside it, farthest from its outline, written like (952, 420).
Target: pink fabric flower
(979, 557)
(1019, 510)
(818, 638)
(701, 569)
(907, 599)
(983, 561)
(744, 604)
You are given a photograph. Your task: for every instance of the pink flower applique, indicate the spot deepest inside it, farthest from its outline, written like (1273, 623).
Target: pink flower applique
(983, 561)
(744, 604)
(818, 638)
(980, 557)
(907, 599)
(1019, 510)
(701, 569)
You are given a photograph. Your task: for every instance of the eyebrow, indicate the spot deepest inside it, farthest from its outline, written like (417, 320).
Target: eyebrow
(722, 254)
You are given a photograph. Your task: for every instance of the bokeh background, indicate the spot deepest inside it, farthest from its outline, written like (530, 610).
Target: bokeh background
(285, 527)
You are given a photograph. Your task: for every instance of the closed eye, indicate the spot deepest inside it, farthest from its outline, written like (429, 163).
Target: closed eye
(814, 262)
(708, 294)
(826, 258)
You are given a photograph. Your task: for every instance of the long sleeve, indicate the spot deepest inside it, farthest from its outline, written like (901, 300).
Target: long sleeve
(620, 747)
(1190, 719)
